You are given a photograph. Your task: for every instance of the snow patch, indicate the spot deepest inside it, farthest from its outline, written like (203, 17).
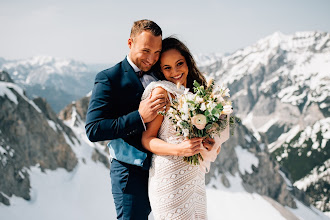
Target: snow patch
(245, 160)
(248, 122)
(307, 213)
(248, 138)
(5, 90)
(89, 94)
(287, 181)
(268, 124)
(52, 125)
(284, 137)
(2, 150)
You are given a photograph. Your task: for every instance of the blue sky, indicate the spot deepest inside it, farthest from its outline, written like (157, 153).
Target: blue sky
(97, 31)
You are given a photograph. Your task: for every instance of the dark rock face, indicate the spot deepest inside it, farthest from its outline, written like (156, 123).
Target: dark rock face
(76, 114)
(30, 135)
(4, 77)
(79, 106)
(265, 179)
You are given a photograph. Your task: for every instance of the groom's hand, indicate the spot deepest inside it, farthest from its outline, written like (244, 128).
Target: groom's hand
(150, 107)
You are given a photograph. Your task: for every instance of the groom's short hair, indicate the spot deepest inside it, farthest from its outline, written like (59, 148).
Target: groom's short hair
(145, 25)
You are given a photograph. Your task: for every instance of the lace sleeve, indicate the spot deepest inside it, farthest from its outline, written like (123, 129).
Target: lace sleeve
(167, 85)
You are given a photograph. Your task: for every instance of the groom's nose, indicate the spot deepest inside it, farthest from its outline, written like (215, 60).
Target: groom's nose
(151, 58)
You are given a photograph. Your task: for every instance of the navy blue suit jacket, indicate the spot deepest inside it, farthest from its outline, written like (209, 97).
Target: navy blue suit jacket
(113, 108)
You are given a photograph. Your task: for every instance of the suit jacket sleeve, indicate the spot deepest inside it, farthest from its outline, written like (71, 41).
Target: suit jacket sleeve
(101, 122)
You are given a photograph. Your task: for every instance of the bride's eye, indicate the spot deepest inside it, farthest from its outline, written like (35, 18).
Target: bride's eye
(180, 63)
(167, 68)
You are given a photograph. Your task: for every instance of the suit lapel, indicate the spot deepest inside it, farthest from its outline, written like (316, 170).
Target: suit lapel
(132, 77)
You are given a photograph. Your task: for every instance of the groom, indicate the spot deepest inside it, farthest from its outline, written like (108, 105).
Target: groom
(115, 113)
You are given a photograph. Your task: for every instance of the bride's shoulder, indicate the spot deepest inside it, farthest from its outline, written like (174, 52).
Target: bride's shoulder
(161, 83)
(159, 87)
(158, 90)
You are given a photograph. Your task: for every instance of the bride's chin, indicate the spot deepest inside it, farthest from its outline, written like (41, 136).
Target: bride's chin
(181, 82)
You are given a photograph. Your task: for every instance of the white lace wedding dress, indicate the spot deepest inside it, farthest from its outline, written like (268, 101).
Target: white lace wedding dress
(176, 188)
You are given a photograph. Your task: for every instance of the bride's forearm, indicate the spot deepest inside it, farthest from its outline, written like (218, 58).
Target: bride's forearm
(159, 147)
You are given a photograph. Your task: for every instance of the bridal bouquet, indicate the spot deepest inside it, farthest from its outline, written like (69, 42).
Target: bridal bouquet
(203, 113)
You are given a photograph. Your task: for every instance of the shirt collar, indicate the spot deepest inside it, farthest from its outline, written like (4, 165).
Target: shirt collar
(136, 69)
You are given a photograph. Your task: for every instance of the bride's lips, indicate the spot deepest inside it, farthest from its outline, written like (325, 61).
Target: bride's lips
(178, 77)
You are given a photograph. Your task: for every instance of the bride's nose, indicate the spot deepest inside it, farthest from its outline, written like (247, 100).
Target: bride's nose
(176, 70)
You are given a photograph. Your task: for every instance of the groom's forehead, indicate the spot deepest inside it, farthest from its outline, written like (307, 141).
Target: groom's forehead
(146, 38)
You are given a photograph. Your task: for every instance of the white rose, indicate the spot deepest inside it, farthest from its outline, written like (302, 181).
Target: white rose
(203, 106)
(185, 108)
(219, 98)
(179, 124)
(185, 117)
(211, 105)
(199, 99)
(227, 110)
(226, 92)
(185, 132)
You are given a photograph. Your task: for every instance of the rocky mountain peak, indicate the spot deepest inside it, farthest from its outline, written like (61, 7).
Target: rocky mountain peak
(280, 88)
(29, 137)
(4, 77)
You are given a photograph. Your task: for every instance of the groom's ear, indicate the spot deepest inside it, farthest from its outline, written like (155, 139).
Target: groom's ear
(130, 42)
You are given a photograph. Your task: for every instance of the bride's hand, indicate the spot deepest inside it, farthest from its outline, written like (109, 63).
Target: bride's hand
(189, 147)
(208, 143)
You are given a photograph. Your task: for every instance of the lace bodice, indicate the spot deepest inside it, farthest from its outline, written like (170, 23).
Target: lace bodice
(176, 188)
(167, 131)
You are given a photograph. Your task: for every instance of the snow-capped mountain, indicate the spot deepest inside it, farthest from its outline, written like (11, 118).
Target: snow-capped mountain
(30, 135)
(280, 88)
(47, 170)
(206, 60)
(292, 70)
(60, 81)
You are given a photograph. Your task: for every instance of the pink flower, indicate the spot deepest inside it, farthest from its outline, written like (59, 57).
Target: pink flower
(199, 121)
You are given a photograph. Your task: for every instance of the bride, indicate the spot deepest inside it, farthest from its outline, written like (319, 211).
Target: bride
(176, 188)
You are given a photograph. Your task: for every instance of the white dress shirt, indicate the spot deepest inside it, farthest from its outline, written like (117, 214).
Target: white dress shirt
(146, 79)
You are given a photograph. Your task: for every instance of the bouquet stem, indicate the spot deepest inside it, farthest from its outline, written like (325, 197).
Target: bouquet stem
(193, 159)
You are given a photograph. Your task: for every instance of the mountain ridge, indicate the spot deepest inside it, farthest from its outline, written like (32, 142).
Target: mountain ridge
(280, 87)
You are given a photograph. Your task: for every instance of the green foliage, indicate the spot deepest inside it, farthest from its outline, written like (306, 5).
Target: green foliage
(297, 162)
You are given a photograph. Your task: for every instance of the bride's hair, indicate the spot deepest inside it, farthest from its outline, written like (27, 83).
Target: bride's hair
(193, 74)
